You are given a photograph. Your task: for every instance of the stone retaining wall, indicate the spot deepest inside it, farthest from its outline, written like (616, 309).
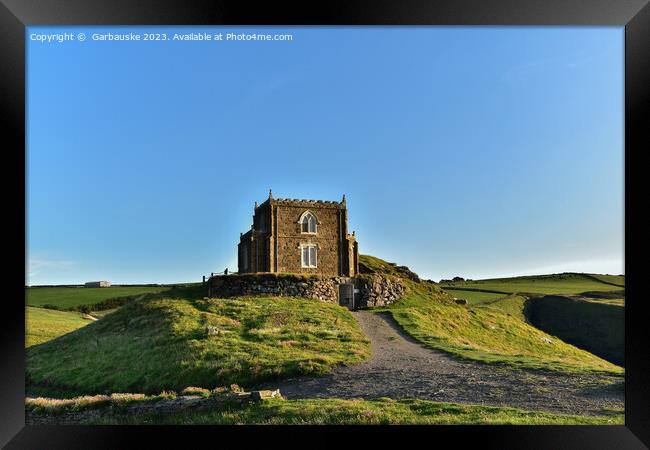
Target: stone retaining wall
(373, 290)
(321, 288)
(378, 290)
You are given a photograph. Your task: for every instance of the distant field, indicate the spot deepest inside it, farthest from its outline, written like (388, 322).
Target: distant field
(475, 297)
(606, 301)
(613, 279)
(566, 283)
(69, 297)
(42, 325)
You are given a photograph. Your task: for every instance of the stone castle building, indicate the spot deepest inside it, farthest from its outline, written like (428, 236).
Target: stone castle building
(299, 236)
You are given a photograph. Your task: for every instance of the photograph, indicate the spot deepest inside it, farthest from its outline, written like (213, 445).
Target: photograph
(325, 225)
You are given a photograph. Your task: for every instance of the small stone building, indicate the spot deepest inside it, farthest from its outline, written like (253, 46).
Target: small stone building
(299, 236)
(96, 284)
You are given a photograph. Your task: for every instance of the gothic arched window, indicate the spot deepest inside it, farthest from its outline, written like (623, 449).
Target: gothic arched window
(308, 223)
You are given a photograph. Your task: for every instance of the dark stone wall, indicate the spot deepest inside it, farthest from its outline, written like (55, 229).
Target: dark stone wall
(379, 290)
(245, 285)
(373, 290)
(596, 327)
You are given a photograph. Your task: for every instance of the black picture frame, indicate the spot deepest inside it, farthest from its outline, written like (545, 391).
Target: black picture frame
(16, 15)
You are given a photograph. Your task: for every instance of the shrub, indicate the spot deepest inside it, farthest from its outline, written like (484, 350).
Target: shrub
(193, 390)
(51, 306)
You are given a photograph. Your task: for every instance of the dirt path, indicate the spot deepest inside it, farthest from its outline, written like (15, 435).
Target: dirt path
(402, 368)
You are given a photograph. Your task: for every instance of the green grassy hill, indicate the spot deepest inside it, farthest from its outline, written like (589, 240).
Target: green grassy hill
(495, 332)
(169, 343)
(614, 280)
(581, 309)
(71, 297)
(512, 305)
(176, 338)
(372, 264)
(489, 335)
(43, 325)
(593, 324)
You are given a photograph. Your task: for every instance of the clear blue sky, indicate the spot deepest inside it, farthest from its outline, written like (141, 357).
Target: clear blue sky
(479, 152)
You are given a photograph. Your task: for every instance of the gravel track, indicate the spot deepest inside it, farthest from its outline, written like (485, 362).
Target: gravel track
(401, 367)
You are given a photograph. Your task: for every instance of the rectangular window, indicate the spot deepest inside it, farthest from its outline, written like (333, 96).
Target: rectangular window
(312, 256)
(309, 255)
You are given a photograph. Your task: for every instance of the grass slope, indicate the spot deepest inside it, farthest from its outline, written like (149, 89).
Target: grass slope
(595, 325)
(70, 297)
(157, 344)
(360, 412)
(475, 297)
(372, 264)
(512, 305)
(104, 313)
(377, 264)
(491, 335)
(615, 280)
(565, 283)
(42, 325)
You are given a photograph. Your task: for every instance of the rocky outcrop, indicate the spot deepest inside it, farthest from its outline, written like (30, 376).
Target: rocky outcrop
(405, 272)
